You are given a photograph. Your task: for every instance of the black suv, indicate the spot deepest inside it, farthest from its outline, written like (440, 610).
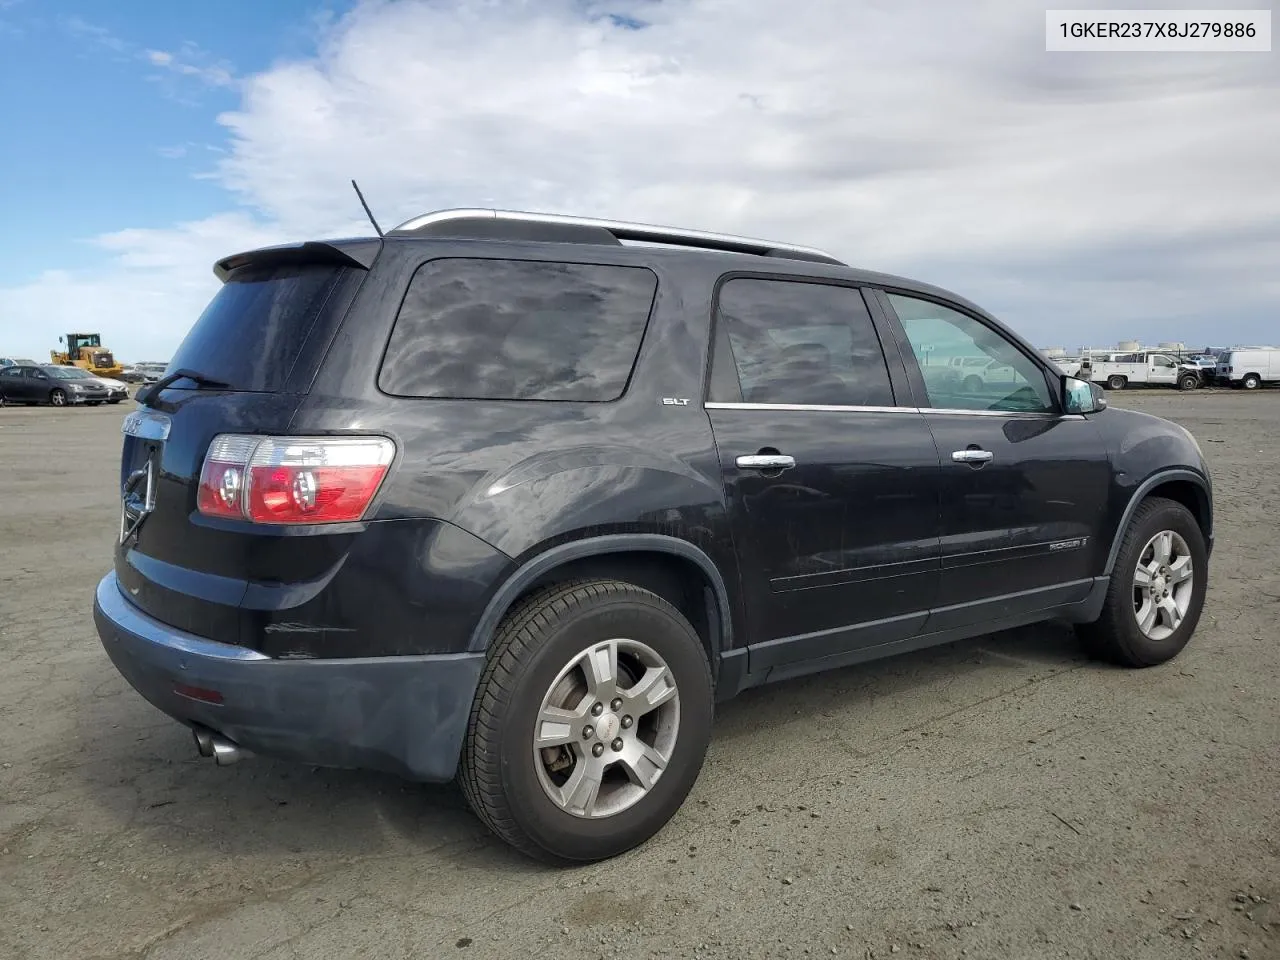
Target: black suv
(517, 498)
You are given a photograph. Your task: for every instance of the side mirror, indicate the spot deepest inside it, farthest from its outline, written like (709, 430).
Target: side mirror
(1081, 396)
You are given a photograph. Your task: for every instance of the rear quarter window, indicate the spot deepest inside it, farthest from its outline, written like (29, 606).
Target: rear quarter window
(481, 329)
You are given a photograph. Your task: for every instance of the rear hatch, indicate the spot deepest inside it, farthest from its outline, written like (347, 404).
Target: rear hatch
(243, 368)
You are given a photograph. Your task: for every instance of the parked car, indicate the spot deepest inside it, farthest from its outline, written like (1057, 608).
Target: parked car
(499, 497)
(117, 390)
(143, 372)
(1250, 367)
(47, 383)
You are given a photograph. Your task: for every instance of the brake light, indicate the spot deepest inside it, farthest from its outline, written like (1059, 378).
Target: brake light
(292, 479)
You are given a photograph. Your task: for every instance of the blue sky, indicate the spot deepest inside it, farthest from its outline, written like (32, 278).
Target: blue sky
(1084, 198)
(107, 138)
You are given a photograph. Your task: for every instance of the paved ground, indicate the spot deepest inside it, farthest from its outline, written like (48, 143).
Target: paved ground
(1001, 798)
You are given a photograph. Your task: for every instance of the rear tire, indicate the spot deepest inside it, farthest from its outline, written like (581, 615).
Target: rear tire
(538, 667)
(1118, 635)
(1116, 382)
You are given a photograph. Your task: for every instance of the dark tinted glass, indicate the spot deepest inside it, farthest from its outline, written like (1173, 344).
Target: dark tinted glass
(252, 331)
(518, 330)
(806, 343)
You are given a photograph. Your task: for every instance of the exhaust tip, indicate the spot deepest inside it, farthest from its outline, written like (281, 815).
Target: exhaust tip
(204, 740)
(225, 752)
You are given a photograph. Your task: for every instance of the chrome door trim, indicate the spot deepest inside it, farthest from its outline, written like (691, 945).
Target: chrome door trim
(935, 411)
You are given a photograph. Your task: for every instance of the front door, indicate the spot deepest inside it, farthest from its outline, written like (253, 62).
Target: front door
(1025, 486)
(1161, 369)
(832, 488)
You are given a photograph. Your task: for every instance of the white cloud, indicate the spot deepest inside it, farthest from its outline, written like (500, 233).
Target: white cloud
(939, 140)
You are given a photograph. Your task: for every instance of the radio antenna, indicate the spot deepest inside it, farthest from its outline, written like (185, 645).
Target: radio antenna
(368, 212)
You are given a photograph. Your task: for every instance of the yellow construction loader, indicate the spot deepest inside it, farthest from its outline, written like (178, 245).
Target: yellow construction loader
(85, 350)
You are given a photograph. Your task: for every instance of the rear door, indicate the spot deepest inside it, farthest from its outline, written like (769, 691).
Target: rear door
(253, 351)
(832, 487)
(1025, 486)
(13, 383)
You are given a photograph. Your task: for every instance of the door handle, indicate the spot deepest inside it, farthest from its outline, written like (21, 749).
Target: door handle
(972, 456)
(766, 461)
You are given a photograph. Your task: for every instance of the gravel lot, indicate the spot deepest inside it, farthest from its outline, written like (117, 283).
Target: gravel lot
(999, 798)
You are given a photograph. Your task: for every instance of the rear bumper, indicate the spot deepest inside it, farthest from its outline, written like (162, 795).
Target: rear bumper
(405, 715)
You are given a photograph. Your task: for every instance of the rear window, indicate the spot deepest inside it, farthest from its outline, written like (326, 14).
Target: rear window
(481, 329)
(251, 333)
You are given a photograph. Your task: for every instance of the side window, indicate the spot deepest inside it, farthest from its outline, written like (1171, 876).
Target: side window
(482, 329)
(11, 372)
(992, 374)
(799, 343)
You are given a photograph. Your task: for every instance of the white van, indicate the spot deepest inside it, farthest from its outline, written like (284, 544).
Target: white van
(1249, 367)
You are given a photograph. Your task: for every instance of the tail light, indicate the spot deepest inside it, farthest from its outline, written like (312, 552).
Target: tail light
(292, 479)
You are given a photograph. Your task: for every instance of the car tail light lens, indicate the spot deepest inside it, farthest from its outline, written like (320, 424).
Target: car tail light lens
(292, 479)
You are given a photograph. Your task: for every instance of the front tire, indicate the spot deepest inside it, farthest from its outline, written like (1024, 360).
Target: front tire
(1157, 588)
(1251, 382)
(58, 398)
(590, 723)
(1188, 381)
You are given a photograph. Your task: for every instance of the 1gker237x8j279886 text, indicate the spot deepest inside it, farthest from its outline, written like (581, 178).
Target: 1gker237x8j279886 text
(1184, 31)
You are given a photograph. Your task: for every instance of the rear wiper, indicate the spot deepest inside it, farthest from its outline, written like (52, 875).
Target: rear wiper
(146, 393)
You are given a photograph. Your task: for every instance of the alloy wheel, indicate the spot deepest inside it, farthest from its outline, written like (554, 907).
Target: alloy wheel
(1163, 582)
(606, 729)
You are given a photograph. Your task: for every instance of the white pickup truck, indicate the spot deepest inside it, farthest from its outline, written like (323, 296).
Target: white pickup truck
(1118, 371)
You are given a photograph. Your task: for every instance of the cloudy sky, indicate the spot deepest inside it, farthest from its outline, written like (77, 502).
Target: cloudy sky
(1084, 198)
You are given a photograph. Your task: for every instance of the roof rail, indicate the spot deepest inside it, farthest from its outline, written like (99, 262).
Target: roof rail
(490, 223)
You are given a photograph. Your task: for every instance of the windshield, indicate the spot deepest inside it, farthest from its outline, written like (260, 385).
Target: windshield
(67, 373)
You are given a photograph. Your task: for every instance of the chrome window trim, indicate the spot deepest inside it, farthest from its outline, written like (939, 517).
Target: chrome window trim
(1020, 414)
(934, 411)
(819, 407)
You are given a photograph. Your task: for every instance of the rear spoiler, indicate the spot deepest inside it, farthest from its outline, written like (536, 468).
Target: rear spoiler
(358, 253)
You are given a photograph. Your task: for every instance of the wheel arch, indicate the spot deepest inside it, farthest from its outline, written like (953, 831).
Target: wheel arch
(1182, 486)
(653, 561)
